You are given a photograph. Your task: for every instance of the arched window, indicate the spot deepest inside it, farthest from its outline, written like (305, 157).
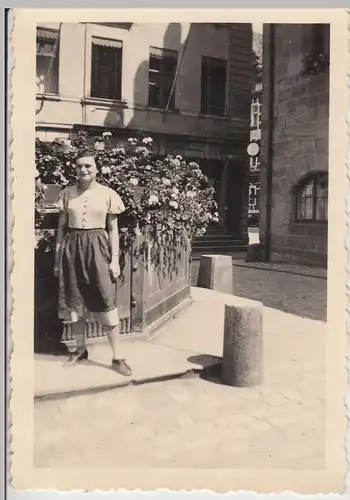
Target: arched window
(311, 197)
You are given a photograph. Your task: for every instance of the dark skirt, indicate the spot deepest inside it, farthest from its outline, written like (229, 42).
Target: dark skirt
(86, 288)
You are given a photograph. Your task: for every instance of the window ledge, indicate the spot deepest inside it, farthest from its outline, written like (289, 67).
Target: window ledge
(49, 209)
(312, 222)
(217, 117)
(48, 97)
(162, 110)
(106, 102)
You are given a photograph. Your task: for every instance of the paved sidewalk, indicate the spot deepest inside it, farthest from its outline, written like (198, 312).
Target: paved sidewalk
(196, 422)
(150, 359)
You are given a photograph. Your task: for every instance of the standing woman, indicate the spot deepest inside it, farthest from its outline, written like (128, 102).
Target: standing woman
(87, 258)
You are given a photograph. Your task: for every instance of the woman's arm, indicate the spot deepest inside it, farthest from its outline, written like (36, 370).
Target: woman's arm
(62, 224)
(113, 233)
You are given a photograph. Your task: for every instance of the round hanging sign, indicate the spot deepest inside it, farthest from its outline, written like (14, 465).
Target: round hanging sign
(253, 149)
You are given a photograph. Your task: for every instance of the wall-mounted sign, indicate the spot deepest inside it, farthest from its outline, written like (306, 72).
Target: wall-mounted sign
(253, 149)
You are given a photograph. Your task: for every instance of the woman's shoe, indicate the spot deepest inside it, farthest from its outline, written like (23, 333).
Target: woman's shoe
(77, 356)
(122, 367)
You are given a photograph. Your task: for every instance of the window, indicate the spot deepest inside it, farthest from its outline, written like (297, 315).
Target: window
(47, 65)
(213, 86)
(312, 198)
(106, 69)
(162, 70)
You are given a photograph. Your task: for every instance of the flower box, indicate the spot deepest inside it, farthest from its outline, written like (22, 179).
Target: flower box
(154, 283)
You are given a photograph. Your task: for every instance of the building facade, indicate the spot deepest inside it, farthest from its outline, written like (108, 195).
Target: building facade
(294, 163)
(186, 85)
(255, 132)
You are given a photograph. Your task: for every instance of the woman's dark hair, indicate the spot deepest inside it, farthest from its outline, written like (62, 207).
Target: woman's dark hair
(83, 153)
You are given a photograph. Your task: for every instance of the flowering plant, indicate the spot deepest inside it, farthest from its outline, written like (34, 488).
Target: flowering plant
(170, 193)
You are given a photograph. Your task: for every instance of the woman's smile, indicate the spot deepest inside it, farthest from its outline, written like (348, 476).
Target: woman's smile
(86, 168)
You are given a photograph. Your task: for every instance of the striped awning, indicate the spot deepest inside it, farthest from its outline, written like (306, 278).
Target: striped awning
(161, 52)
(46, 34)
(106, 42)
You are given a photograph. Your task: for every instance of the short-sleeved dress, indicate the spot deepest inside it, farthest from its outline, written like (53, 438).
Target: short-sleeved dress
(86, 287)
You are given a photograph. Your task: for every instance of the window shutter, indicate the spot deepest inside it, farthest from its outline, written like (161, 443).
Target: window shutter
(162, 70)
(117, 73)
(219, 87)
(204, 85)
(213, 86)
(94, 70)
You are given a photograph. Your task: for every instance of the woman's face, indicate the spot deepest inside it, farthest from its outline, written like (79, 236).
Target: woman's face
(86, 168)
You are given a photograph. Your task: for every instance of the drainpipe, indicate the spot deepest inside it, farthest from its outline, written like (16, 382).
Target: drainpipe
(177, 72)
(270, 130)
(178, 68)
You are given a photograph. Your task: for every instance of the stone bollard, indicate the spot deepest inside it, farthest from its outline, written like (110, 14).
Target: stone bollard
(216, 273)
(243, 346)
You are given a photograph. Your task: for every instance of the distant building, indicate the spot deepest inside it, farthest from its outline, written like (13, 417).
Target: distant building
(188, 86)
(294, 162)
(255, 131)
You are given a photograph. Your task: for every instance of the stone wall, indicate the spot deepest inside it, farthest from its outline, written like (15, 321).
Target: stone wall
(299, 136)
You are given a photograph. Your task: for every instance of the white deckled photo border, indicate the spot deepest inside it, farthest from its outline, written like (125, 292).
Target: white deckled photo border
(22, 167)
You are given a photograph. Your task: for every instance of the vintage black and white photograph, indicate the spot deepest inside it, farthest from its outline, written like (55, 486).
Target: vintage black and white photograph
(181, 236)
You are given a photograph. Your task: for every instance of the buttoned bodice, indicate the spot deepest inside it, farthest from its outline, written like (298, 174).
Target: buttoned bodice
(88, 209)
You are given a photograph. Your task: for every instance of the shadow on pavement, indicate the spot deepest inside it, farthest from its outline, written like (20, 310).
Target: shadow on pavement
(211, 367)
(204, 360)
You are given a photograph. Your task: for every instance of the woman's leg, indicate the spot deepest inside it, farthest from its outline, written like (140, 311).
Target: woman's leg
(114, 342)
(80, 353)
(118, 363)
(78, 330)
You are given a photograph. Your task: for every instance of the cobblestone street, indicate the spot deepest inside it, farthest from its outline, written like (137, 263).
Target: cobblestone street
(287, 291)
(183, 423)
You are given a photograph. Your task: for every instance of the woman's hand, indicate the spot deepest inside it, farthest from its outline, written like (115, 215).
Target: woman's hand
(114, 268)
